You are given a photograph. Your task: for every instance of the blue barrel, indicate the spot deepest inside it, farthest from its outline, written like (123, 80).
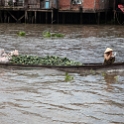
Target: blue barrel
(47, 4)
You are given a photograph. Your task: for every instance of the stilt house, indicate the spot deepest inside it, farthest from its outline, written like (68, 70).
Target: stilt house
(29, 4)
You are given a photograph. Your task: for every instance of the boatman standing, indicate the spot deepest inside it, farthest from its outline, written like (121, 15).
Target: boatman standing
(109, 58)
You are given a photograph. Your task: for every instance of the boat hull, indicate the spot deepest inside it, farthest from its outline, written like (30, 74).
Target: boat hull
(73, 69)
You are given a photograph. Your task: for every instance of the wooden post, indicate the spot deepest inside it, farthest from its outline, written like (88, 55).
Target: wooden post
(8, 19)
(57, 17)
(114, 10)
(63, 21)
(5, 16)
(114, 15)
(52, 17)
(98, 18)
(35, 16)
(81, 20)
(46, 18)
(105, 17)
(13, 16)
(21, 18)
(26, 16)
(81, 12)
(40, 17)
(1, 16)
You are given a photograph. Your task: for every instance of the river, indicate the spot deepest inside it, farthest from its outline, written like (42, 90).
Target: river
(42, 96)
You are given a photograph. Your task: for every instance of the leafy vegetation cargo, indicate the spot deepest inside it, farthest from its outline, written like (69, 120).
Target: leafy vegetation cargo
(48, 60)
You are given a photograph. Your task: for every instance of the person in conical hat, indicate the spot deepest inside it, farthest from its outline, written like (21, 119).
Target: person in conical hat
(109, 58)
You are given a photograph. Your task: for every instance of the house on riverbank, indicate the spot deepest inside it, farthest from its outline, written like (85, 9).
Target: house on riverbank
(59, 11)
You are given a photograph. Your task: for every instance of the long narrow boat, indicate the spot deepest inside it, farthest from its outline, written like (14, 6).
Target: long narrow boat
(75, 69)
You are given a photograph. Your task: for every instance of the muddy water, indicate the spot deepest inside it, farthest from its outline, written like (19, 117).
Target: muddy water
(42, 96)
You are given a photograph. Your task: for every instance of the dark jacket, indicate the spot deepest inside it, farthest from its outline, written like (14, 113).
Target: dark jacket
(109, 61)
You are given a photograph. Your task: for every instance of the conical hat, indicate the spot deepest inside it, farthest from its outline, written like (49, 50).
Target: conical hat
(108, 50)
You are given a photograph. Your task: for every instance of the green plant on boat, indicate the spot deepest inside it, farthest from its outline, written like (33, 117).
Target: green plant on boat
(48, 34)
(21, 33)
(48, 60)
(68, 77)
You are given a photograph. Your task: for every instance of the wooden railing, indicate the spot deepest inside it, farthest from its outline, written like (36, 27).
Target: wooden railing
(11, 3)
(44, 4)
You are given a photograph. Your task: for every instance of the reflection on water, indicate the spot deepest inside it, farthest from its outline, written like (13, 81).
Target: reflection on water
(110, 79)
(41, 96)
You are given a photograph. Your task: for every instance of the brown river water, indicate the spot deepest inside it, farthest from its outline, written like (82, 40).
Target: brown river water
(42, 96)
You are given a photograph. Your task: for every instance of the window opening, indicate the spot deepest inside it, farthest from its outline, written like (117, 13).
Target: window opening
(76, 1)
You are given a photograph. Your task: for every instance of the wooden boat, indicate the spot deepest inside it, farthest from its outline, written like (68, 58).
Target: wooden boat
(72, 69)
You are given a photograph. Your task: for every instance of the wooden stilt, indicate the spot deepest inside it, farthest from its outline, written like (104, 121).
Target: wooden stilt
(63, 21)
(57, 17)
(26, 16)
(13, 16)
(41, 17)
(8, 19)
(81, 12)
(106, 17)
(52, 17)
(21, 18)
(46, 18)
(35, 17)
(5, 16)
(32, 19)
(81, 20)
(98, 18)
(114, 15)
(1, 16)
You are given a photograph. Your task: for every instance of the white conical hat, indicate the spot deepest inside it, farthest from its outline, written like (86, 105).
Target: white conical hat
(108, 50)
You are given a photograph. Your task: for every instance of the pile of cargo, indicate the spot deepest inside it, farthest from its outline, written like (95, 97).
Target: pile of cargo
(48, 60)
(6, 57)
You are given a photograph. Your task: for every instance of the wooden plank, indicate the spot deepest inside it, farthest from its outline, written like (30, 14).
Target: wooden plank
(21, 17)
(13, 16)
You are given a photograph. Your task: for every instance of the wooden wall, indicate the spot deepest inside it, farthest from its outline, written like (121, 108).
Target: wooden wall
(40, 4)
(86, 5)
(64, 4)
(33, 4)
(95, 4)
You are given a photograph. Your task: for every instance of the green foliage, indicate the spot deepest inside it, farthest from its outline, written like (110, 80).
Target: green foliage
(68, 77)
(48, 60)
(48, 34)
(21, 33)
